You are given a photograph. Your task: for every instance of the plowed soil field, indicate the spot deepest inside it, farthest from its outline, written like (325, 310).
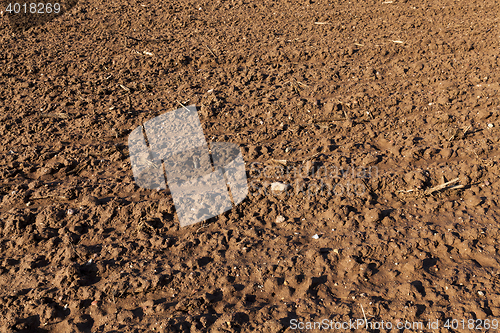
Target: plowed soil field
(381, 119)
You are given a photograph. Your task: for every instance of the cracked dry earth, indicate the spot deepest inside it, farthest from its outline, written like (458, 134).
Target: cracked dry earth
(382, 117)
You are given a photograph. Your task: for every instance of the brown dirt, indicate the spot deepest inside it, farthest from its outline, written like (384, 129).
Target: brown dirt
(392, 99)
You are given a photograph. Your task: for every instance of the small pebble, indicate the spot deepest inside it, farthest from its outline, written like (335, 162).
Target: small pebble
(278, 187)
(70, 212)
(280, 219)
(316, 236)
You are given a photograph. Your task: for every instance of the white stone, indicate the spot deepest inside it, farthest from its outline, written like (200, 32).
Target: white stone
(278, 187)
(280, 219)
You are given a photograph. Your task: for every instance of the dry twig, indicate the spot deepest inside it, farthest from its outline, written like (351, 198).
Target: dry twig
(443, 186)
(282, 162)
